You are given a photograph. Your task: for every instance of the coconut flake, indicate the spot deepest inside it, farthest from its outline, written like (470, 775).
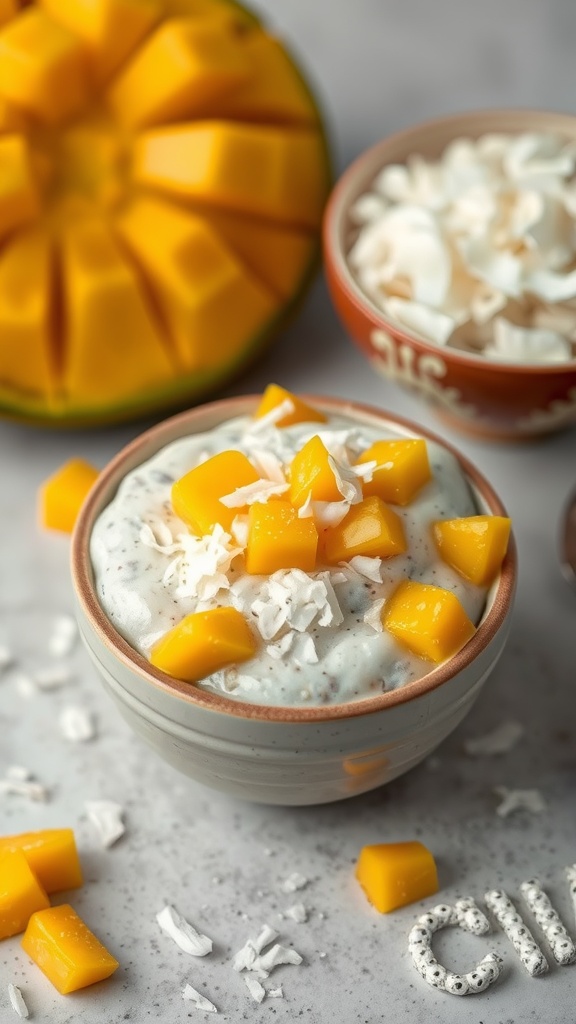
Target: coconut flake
(268, 465)
(77, 725)
(291, 599)
(276, 993)
(53, 677)
(17, 1001)
(200, 1001)
(519, 800)
(19, 782)
(527, 344)
(271, 418)
(275, 957)
(106, 817)
(183, 933)
(256, 990)
(244, 959)
(294, 882)
(297, 912)
(201, 564)
(63, 636)
(24, 684)
(259, 491)
(281, 647)
(373, 617)
(500, 740)
(6, 657)
(366, 566)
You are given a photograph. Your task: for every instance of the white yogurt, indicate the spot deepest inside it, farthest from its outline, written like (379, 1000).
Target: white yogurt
(143, 589)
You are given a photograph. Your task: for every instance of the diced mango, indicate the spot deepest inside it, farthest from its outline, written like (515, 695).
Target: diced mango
(204, 292)
(20, 893)
(278, 539)
(402, 470)
(395, 874)
(65, 949)
(110, 319)
(275, 173)
(369, 528)
(274, 395)
(274, 92)
(311, 474)
(25, 297)
(475, 545)
(184, 65)
(110, 29)
(278, 255)
(203, 643)
(42, 66)
(8, 10)
(19, 199)
(429, 621)
(62, 495)
(196, 495)
(51, 854)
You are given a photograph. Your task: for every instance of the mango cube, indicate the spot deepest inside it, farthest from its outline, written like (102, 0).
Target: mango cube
(311, 474)
(42, 66)
(395, 874)
(273, 172)
(20, 893)
(274, 395)
(278, 539)
(19, 199)
(402, 470)
(429, 621)
(202, 289)
(65, 949)
(369, 528)
(474, 545)
(184, 65)
(25, 307)
(196, 495)
(51, 855)
(62, 495)
(203, 643)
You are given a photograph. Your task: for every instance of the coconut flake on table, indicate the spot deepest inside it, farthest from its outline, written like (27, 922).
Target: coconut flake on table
(294, 882)
(106, 817)
(245, 958)
(297, 912)
(199, 1001)
(17, 1002)
(183, 933)
(53, 677)
(519, 800)
(6, 657)
(63, 636)
(500, 740)
(277, 956)
(77, 724)
(275, 993)
(19, 781)
(256, 990)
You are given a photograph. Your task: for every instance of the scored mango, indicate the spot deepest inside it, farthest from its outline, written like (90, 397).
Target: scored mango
(370, 528)
(65, 949)
(300, 412)
(19, 197)
(20, 893)
(203, 643)
(474, 545)
(395, 874)
(51, 854)
(196, 495)
(428, 620)
(26, 266)
(278, 539)
(311, 474)
(402, 469)
(62, 495)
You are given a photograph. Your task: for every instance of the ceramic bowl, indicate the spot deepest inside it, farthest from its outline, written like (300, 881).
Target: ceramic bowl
(284, 755)
(472, 393)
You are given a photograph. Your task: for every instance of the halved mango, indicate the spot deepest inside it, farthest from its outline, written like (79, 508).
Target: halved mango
(369, 528)
(475, 545)
(402, 470)
(301, 412)
(25, 295)
(203, 643)
(311, 474)
(428, 620)
(51, 854)
(65, 949)
(278, 539)
(196, 495)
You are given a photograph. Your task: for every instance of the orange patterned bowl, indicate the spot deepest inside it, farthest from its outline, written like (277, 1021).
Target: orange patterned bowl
(473, 393)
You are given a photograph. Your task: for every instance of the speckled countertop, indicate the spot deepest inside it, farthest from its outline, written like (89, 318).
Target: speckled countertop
(222, 863)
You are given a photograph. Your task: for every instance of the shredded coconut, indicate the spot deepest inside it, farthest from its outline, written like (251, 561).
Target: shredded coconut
(291, 598)
(77, 725)
(63, 636)
(294, 882)
(373, 617)
(183, 933)
(19, 782)
(6, 657)
(275, 957)
(519, 800)
(245, 958)
(499, 741)
(106, 817)
(53, 677)
(17, 1001)
(256, 990)
(370, 568)
(275, 993)
(260, 491)
(297, 912)
(200, 1002)
(201, 564)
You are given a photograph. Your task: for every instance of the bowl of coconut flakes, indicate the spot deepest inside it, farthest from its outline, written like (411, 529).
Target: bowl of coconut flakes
(450, 252)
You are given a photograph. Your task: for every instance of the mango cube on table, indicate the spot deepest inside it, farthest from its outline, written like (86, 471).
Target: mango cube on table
(474, 545)
(402, 470)
(20, 893)
(203, 643)
(301, 412)
(66, 950)
(311, 474)
(428, 620)
(62, 495)
(196, 495)
(51, 855)
(278, 539)
(395, 874)
(370, 528)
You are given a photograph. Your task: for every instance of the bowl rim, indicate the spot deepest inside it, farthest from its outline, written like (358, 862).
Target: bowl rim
(336, 211)
(178, 426)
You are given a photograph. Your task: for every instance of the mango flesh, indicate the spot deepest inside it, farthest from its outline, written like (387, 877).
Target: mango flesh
(203, 643)
(402, 469)
(86, 86)
(20, 893)
(278, 539)
(51, 855)
(26, 264)
(475, 545)
(395, 874)
(370, 528)
(300, 411)
(196, 495)
(428, 620)
(311, 475)
(62, 495)
(65, 949)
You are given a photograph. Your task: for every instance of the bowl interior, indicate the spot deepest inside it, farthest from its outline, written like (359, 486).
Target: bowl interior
(205, 418)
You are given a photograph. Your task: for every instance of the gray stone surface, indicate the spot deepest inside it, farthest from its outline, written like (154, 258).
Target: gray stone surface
(378, 66)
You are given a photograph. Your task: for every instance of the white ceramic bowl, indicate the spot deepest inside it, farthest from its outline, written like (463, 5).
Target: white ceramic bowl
(283, 755)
